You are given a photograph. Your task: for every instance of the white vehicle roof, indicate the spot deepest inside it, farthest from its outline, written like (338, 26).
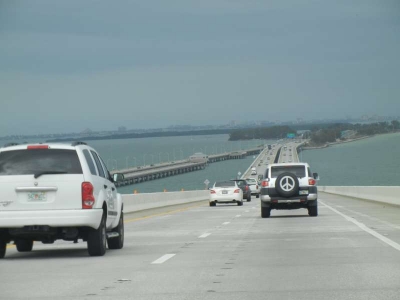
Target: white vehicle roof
(68, 146)
(289, 164)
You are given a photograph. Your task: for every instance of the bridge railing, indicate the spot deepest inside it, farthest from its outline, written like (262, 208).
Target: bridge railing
(382, 194)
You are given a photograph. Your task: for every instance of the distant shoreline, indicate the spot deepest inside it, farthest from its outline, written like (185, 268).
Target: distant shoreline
(344, 142)
(337, 143)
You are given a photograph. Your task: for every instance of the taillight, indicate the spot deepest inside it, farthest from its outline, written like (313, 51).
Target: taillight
(256, 187)
(237, 191)
(38, 147)
(311, 181)
(212, 192)
(247, 188)
(264, 183)
(87, 195)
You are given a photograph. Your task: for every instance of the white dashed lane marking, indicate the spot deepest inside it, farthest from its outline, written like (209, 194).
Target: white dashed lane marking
(237, 216)
(204, 235)
(225, 223)
(163, 259)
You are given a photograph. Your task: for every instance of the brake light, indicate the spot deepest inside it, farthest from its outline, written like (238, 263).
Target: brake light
(256, 187)
(38, 147)
(247, 188)
(87, 195)
(264, 183)
(212, 192)
(237, 191)
(311, 181)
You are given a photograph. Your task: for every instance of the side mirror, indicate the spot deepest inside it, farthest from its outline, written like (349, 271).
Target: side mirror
(117, 177)
(316, 176)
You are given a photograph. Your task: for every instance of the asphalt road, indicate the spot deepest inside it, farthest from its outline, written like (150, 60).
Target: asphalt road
(350, 251)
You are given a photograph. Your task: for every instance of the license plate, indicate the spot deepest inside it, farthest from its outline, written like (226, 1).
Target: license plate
(224, 192)
(37, 196)
(303, 192)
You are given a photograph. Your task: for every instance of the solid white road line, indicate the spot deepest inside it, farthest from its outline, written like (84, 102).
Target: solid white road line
(204, 235)
(163, 259)
(365, 228)
(225, 223)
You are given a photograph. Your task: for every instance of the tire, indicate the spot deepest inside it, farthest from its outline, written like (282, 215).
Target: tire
(258, 196)
(96, 241)
(212, 203)
(313, 211)
(240, 203)
(24, 245)
(3, 248)
(249, 198)
(117, 242)
(292, 181)
(265, 212)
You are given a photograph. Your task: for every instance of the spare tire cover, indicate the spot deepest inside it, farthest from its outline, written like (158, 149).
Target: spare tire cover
(287, 184)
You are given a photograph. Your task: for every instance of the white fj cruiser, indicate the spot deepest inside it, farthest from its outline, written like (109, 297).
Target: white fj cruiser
(289, 186)
(58, 191)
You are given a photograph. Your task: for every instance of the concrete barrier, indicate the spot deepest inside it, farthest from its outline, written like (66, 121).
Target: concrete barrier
(382, 194)
(137, 202)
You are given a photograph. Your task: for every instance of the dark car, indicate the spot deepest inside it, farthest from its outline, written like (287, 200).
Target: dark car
(244, 186)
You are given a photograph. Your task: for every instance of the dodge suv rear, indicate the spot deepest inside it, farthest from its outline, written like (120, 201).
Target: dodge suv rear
(289, 186)
(58, 191)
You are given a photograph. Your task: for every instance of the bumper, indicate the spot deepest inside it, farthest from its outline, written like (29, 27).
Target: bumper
(309, 197)
(289, 203)
(227, 199)
(52, 218)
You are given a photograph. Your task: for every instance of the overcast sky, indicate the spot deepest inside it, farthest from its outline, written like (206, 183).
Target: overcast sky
(70, 65)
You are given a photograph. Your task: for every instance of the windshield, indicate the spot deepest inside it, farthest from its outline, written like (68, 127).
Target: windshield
(39, 162)
(299, 171)
(251, 181)
(224, 184)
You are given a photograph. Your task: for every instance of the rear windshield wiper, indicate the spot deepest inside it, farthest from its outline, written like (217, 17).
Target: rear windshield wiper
(48, 172)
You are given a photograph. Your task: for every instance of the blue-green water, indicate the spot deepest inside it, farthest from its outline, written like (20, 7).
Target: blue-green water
(373, 161)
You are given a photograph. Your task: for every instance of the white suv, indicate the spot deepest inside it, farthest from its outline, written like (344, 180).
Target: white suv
(58, 191)
(289, 186)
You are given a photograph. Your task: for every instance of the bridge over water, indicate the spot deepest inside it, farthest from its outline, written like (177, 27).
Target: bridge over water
(177, 247)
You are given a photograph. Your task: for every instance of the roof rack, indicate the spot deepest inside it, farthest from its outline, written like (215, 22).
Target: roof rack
(10, 144)
(76, 143)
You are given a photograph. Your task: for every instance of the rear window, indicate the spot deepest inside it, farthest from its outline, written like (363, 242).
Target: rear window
(26, 162)
(299, 171)
(224, 183)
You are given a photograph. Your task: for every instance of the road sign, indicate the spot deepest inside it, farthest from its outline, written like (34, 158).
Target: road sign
(206, 182)
(291, 135)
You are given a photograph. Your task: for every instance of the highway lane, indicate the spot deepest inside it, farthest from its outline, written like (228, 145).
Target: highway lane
(225, 252)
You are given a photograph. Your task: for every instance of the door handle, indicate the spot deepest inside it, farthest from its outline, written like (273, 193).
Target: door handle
(105, 186)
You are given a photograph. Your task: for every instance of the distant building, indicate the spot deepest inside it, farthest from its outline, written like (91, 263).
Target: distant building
(198, 157)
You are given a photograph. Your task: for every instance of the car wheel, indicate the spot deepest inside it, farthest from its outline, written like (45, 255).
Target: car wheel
(249, 198)
(3, 248)
(117, 242)
(313, 211)
(240, 203)
(287, 184)
(96, 241)
(258, 196)
(212, 203)
(24, 245)
(265, 212)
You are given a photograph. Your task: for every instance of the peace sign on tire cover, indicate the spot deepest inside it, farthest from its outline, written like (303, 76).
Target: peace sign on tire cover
(287, 184)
